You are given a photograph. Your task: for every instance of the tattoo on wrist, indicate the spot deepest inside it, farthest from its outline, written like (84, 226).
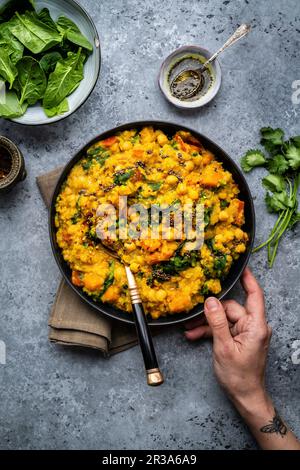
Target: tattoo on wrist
(276, 425)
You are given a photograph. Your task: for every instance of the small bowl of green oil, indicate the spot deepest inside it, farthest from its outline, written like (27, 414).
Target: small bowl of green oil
(190, 58)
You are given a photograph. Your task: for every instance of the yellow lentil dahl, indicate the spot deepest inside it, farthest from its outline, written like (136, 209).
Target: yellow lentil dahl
(150, 167)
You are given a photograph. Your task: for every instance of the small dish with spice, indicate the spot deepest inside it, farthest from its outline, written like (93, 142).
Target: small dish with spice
(12, 165)
(184, 58)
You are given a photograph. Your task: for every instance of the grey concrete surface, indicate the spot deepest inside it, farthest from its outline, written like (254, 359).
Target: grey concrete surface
(53, 397)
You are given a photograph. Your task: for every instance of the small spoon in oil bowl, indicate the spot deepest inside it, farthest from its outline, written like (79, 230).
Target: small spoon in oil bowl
(188, 82)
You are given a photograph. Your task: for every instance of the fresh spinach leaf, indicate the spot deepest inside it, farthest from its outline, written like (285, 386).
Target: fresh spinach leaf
(79, 40)
(8, 70)
(122, 178)
(210, 242)
(154, 185)
(93, 150)
(109, 279)
(64, 80)
(220, 262)
(224, 204)
(62, 108)
(64, 24)
(75, 218)
(14, 47)
(9, 8)
(49, 61)
(45, 17)
(95, 154)
(135, 139)
(86, 165)
(10, 107)
(33, 33)
(65, 47)
(163, 271)
(31, 79)
(92, 235)
(71, 31)
(207, 214)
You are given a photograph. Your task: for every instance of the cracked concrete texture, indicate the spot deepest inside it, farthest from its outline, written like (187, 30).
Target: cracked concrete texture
(54, 397)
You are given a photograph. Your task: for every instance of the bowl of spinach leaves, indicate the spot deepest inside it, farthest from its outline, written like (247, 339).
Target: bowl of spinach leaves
(49, 59)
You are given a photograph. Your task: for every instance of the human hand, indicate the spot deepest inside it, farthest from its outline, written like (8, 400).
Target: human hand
(241, 339)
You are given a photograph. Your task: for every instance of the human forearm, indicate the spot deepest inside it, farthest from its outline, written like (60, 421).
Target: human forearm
(241, 338)
(264, 422)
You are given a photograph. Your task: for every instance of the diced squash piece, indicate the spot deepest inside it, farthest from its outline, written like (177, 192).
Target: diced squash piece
(190, 139)
(109, 141)
(212, 176)
(179, 302)
(111, 295)
(138, 153)
(180, 142)
(93, 282)
(237, 208)
(76, 279)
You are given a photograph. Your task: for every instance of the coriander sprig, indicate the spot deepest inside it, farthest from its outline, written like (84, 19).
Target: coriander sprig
(282, 160)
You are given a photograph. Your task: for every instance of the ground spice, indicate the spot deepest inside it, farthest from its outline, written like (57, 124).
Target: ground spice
(5, 163)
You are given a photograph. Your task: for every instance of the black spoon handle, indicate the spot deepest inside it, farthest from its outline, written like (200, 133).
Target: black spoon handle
(154, 375)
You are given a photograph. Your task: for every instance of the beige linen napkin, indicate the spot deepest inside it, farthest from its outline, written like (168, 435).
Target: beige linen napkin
(73, 322)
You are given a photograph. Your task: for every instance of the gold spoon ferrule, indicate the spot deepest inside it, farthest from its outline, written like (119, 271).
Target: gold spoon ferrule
(132, 286)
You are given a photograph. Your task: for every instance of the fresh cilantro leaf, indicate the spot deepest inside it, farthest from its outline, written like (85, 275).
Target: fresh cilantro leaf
(294, 219)
(282, 186)
(296, 140)
(292, 153)
(271, 139)
(277, 165)
(274, 183)
(269, 204)
(278, 202)
(251, 159)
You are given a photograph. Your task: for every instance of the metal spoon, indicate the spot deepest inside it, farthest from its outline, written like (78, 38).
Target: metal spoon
(154, 375)
(188, 82)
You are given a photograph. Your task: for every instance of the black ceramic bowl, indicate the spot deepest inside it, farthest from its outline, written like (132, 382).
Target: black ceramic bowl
(237, 268)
